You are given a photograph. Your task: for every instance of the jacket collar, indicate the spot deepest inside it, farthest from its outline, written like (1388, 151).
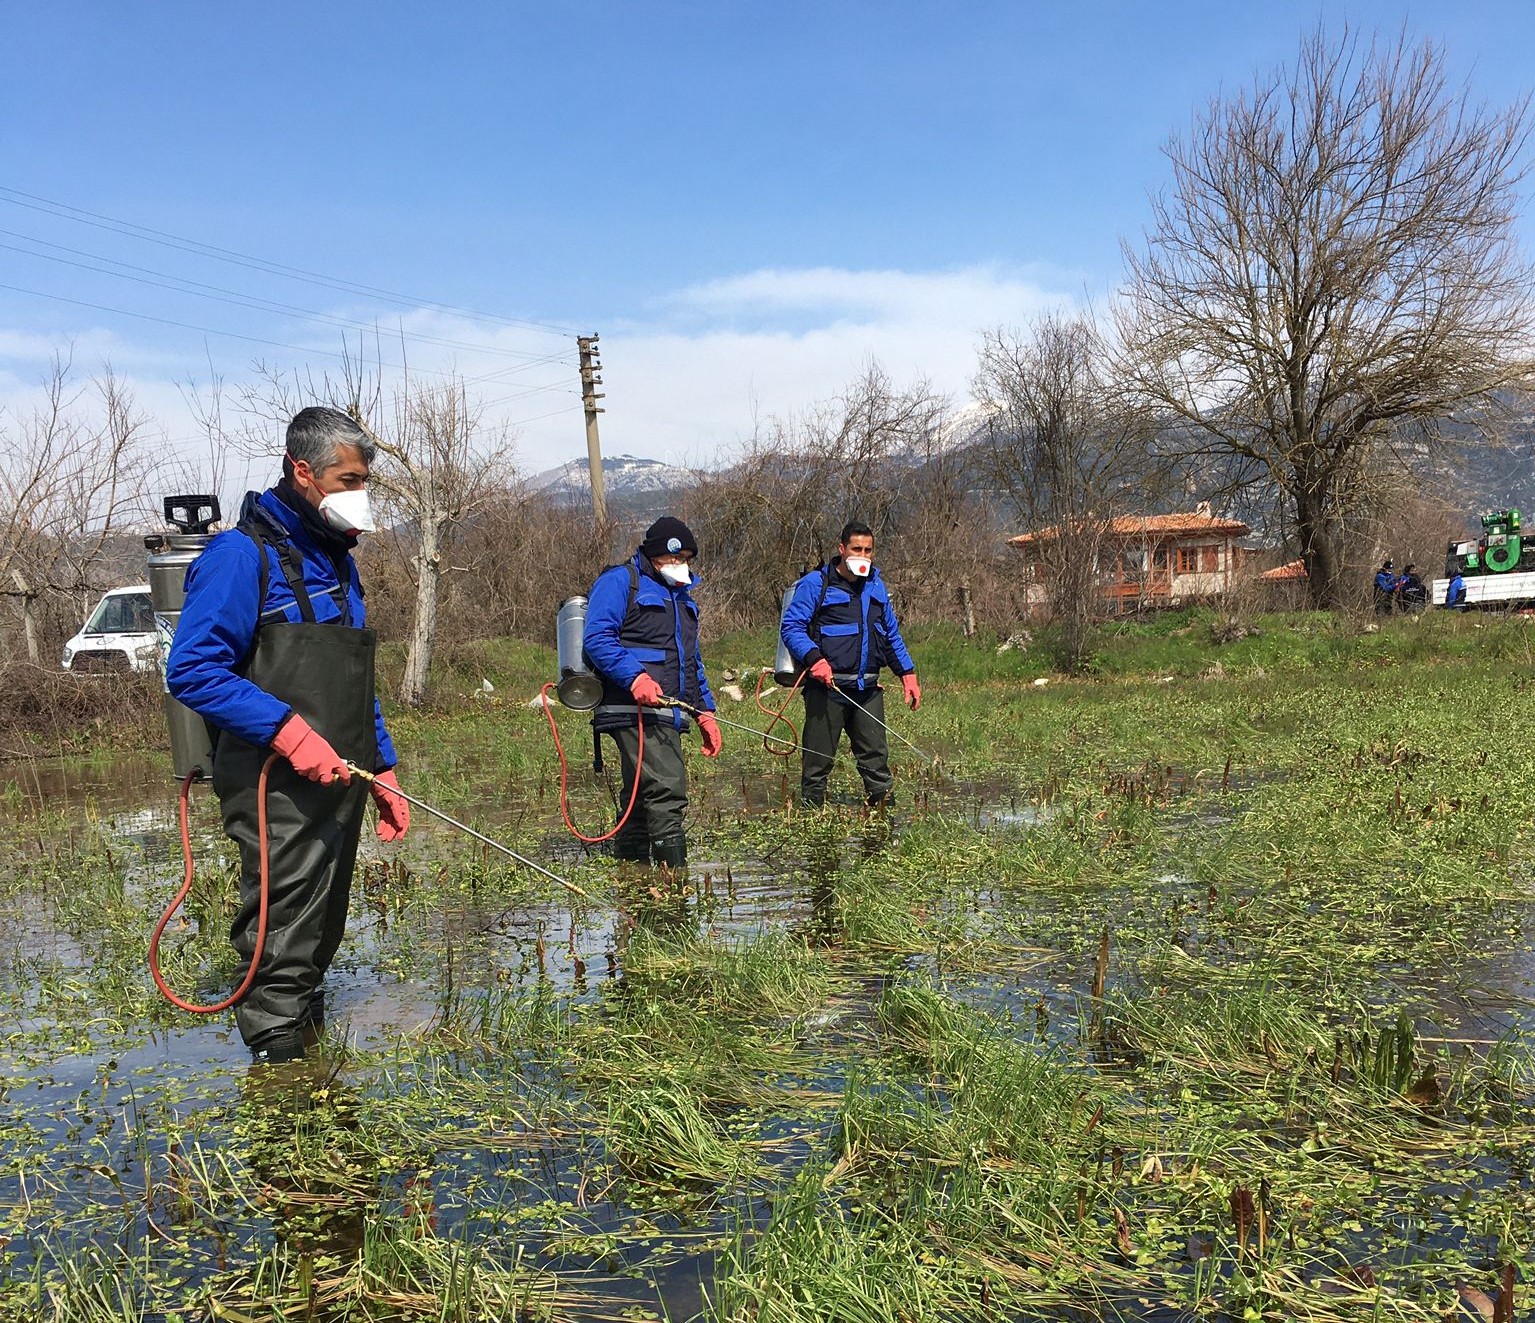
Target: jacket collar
(304, 527)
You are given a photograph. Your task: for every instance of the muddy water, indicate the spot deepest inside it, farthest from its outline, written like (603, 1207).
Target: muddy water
(110, 1117)
(134, 783)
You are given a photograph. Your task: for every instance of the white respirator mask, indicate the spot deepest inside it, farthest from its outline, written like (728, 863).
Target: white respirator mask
(348, 512)
(858, 566)
(679, 576)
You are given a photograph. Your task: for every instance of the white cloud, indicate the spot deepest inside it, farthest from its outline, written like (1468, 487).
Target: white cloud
(684, 382)
(868, 297)
(687, 385)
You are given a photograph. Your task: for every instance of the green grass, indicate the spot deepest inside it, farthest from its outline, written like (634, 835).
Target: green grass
(1198, 980)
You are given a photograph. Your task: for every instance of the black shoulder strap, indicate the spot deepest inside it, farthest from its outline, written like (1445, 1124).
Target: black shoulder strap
(819, 603)
(288, 560)
(634, 581)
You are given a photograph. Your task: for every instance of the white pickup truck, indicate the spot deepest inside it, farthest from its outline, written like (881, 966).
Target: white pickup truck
(120, 635)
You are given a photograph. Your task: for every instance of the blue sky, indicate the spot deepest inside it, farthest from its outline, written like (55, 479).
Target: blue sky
(748, 201)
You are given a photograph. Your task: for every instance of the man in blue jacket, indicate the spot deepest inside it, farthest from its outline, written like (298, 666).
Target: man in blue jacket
(1386, 583)
(1455, 594)
(272, 650)
(641, 640)
(841, 628)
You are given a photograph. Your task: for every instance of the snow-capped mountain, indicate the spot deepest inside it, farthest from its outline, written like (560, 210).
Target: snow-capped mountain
(625, 478)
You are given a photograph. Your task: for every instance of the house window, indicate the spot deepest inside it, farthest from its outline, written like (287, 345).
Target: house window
(1188, 561)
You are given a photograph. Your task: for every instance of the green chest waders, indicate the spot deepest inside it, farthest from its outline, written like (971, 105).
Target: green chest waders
(325, 672)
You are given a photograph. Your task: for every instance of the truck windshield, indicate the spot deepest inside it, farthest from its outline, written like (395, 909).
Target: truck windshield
(123, 613)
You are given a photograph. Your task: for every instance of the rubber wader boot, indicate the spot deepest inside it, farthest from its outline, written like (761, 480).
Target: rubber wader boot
(279, 1049)
(671, 853)
(632, 849)
(313, 1029)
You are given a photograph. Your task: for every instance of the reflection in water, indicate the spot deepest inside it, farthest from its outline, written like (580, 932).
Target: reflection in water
(307, 1158)
(827, 926)
(76, 788)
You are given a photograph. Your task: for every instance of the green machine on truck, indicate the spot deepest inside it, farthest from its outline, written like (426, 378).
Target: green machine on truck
(1498, 567)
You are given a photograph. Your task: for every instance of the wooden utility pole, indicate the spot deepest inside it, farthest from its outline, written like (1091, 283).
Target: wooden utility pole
(590, 367)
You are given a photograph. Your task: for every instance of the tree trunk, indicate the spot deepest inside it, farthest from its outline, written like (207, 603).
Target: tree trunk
(423, 621)
(28, 620)
(967, 610)
(1320, 551)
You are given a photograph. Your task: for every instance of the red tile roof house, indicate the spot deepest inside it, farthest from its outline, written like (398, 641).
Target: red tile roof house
(1149, 561)
(1285, 586)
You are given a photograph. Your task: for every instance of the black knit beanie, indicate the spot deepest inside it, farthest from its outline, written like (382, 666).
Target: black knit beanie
(668, 536)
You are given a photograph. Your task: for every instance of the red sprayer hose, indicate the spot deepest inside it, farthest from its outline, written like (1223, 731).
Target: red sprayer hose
(634, 793)
(186, 887)
(777, 717)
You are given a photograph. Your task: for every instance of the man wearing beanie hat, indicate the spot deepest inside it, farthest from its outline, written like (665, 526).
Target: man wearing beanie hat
(642, 641)
(1385, 588)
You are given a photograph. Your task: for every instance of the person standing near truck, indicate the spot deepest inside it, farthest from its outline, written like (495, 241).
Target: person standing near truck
(1411, 595)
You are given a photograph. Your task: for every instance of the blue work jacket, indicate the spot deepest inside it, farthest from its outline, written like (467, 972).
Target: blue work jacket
(224, 605)
(854, 629)
(657, 633)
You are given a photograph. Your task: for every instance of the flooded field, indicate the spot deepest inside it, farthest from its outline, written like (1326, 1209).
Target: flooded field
(1150, 1001)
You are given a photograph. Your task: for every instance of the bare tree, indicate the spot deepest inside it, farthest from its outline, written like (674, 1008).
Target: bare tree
(776, 512)
(1066, 448)
(1335, 256)
(71, 474)
(438, 467)
(442, 466)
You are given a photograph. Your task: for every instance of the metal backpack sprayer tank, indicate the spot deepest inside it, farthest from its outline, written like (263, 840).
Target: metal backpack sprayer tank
(785, 671)
(169, 557)
(577, 688)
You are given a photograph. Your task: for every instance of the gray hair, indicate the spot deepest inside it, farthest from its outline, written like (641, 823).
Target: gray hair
(316, 435)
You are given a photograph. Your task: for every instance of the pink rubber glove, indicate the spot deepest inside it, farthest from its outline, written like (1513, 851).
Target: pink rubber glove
(912, 690)
(309, 752)
(393, 811)
(647, 693)
(822, 672)
(709, 729)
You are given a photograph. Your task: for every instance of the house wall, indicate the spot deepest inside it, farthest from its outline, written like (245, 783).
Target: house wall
(1141, 573)
(1217, 565)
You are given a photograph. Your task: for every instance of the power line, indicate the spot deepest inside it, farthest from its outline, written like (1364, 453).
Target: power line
(523, 422)
(523, 394)
(218, 294)
(231, 335)
(498, 373)
(80, 216)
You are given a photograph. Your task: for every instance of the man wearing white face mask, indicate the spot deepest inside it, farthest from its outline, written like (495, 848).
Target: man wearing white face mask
(642, 640)
(841, 628)
(272, 650)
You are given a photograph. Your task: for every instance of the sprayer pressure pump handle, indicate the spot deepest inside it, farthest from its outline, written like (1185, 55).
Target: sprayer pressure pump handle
(192, 514)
